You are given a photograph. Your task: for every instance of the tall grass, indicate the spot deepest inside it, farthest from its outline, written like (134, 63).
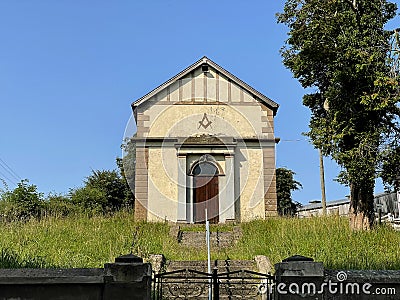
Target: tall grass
(70, 242)
(81, 241)
(328, 240)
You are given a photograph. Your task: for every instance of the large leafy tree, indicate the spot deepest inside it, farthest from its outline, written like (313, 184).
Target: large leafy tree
(103, 191)
(339, 49)
(285, 184)
(390, 166)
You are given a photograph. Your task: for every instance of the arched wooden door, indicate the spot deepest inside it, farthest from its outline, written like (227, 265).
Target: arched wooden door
(205, 193)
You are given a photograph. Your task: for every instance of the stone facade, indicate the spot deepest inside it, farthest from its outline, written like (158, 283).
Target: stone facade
(201, 119)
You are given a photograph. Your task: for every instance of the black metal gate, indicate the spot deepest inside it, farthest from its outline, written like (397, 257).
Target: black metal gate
(192, 284)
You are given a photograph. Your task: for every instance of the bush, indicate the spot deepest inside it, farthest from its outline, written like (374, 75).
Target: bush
(59, 206)
(104, 192)
(23, 203)
(112, 185)
(91, 200)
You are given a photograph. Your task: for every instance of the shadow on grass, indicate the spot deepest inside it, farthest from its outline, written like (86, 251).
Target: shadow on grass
(11, 260)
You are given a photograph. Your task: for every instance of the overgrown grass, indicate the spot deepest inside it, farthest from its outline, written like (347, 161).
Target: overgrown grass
(69, 242)
(11, 260)
(90, 242)
(328, 240)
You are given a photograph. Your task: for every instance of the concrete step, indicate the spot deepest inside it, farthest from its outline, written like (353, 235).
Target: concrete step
(222, 265)
(219, 239)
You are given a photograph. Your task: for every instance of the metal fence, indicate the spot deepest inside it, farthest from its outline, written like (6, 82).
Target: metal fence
(192, 284)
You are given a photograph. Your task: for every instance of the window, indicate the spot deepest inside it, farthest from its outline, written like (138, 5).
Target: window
(205, 169)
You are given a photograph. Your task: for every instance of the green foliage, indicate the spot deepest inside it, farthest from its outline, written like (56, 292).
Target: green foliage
(104, 191)
(127, 164)
(394, 54)
(90, 199)
(59, 206)
(111, 184)
(9, 259)
(23, 203)
(339, 48)
(285, 184)
(390, 167)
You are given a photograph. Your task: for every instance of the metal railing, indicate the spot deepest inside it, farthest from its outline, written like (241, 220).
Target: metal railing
(193, 284)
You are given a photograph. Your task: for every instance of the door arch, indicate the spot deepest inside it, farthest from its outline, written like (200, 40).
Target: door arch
(205, 192)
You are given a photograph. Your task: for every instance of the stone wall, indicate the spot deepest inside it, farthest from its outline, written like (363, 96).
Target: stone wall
(127, 278)
(301, 278)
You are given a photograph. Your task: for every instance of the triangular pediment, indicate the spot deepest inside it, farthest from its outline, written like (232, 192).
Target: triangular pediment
(206, 80)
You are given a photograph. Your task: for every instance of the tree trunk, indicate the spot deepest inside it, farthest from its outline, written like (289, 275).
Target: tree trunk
(361, 206)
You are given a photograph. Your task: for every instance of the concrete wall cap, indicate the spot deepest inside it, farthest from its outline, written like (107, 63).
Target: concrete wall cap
(129, 259)
(297, 258)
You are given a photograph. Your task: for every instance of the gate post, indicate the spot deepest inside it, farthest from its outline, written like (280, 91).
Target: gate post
(215, 284)
(299, 277)
(127, 278)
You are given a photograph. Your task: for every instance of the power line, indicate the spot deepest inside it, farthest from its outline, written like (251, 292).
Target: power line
(8, 169)
(7, 178)
(298, 140)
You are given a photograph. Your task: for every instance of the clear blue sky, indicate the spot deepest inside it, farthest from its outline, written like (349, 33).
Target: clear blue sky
(69, 70)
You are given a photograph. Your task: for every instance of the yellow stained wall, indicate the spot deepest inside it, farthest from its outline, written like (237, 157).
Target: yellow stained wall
(163, 185)
(183, 121)
(251, 185)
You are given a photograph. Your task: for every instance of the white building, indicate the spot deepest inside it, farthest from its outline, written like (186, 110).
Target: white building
(205, 139)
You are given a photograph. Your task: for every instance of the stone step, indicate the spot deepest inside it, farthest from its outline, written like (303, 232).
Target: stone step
(217, 239)
(222, 265)
(260, 264)
(221, 239)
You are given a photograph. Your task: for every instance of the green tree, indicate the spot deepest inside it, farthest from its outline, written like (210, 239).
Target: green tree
(339, 49)
(90, 199)
(390, 166)
(127, 164)
(285, 184)
(103, 190)
(112, 185)
(127, 167)
(22, 203)
(58, 205)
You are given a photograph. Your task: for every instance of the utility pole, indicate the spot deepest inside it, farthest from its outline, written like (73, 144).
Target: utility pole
(322, 178)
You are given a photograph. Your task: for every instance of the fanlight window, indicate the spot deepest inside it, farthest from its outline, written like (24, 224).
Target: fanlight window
(205, 169)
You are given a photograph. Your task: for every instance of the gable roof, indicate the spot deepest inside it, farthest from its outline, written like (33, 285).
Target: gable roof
(205, 60)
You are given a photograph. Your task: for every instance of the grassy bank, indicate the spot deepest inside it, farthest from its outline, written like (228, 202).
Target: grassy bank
(69, 242)
(328, 240)
(91, 242)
